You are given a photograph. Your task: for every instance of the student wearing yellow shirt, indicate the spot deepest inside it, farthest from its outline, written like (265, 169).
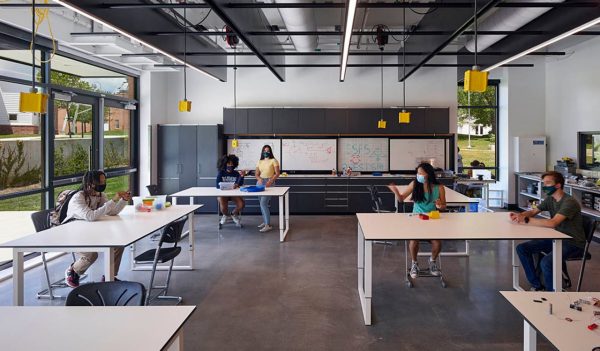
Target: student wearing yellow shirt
(267, 171)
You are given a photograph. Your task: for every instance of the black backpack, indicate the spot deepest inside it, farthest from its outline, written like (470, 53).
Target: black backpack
(58, 215)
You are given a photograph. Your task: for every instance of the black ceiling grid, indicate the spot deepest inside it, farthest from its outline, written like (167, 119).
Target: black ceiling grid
(141, 21)
(246, 20)
(558, 20)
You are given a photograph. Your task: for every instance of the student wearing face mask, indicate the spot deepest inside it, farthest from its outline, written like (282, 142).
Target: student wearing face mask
(427, 195)
(227, 173)
(267, 171)
(565, 213)
(90, 204)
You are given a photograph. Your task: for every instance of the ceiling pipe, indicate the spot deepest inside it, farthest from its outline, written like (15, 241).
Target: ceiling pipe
(506, 19)
(300, 19)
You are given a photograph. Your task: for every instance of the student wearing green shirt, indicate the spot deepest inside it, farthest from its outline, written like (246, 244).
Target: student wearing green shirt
(565, 213)
(427, 195)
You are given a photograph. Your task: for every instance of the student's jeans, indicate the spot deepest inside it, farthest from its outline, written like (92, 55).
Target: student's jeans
(264, 202)
(528, 249)
(86, 259)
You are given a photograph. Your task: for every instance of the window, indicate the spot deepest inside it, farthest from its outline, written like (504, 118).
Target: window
(478, 128)
(12, 116)
(117, 137)
(72, 138)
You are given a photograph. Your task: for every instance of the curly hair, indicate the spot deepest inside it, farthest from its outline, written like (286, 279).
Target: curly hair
(88, 183)
(222, 165)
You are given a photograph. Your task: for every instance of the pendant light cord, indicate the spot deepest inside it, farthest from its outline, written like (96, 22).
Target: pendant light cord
(475, 19)
(381, 48)
(404, 59)
(184, 53)
(234, 91)
(33, 46)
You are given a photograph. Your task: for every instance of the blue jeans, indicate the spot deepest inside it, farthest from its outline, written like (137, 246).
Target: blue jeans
(264, 202)
(528, 249)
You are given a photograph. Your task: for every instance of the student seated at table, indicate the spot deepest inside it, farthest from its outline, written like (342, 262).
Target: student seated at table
(565, 213)
(90, 204)
(427, 195)
(227, 173)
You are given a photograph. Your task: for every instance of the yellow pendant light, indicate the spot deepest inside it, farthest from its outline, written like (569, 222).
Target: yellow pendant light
(475, 81)
(33, 101)
(185, 105)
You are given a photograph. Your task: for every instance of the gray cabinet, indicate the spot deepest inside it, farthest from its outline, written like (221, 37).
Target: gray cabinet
(235, 122)
(364, 121)
(437, 120)
(285, 120)
(260, 121)
(311, 120)
(336, 121)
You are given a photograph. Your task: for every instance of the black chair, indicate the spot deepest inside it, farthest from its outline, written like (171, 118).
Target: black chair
(377, 203)
(119, 293)
(589, 226)
(153, 189)
(170, 234)
(41, 222)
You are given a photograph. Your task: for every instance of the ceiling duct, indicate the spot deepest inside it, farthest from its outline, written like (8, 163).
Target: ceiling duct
(300, 19)
(506, 19)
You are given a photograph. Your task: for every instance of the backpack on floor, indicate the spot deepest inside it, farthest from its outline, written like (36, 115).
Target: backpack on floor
(58, 215)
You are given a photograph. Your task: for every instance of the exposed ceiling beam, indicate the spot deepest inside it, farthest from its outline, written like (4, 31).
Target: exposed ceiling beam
(368, 53)
(337, 65)
(482, 11)
(366, 32)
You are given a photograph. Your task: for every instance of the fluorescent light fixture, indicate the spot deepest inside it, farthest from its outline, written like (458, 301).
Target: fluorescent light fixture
(347, 36)
(546, 43)
(118, 30)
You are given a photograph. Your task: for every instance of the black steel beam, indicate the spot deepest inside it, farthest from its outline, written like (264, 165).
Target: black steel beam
(337, 65)
(338, 5)
(482, 11)
(362, 32)
(364, 53)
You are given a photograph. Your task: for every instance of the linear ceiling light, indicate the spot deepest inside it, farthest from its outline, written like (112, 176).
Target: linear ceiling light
(347, 35)
(546, 43)
(130, 36)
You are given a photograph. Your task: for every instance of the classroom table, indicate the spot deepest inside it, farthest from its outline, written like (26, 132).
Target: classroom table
(563, 334)
(451, 226)
(99, 236)
(453, 198)
(282, 192)
(53, 328)
(483, 183)
(20, 224)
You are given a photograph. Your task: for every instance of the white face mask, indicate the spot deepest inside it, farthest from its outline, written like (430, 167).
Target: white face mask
(421, 178)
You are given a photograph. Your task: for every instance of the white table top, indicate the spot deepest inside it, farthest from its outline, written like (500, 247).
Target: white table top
(213, 191)
(451, 226)
(452, 196)
(20, 224)
(564, 335)
(111, 231)
(90, 328)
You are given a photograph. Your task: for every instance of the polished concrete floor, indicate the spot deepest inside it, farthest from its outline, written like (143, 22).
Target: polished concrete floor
(254, 293)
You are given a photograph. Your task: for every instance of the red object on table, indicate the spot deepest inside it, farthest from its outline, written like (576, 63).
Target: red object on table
(423, 216)
(592, 326)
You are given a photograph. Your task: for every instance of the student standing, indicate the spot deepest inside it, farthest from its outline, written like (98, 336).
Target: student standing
(427, 195)
(227, 173)
(460, 165)
(90, 204)
(565, 213)
(267, 172)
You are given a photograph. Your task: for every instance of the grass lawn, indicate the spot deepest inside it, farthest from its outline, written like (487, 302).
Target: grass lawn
(480, 150)
(33, 202)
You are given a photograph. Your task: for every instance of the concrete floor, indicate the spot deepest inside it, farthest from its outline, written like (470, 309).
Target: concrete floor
(254, 293)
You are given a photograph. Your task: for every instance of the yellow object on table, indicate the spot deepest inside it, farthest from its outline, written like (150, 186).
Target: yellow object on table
(434, 215)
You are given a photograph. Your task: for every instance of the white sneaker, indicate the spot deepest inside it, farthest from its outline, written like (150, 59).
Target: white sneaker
(236, 219)
(433, 268)
(223, 219)
(266, 228)
(414, 270)
(261, 225)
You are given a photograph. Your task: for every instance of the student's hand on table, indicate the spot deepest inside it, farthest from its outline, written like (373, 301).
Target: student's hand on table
(269, 183)
(259, 181)
(517, 217)
(438, 204)
(236, 186)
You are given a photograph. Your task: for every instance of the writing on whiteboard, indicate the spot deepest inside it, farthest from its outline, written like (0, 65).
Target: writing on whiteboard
(364, 154)
(308, 154)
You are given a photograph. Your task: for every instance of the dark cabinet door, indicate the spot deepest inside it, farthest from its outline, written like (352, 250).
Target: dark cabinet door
(235, 121)
(260, 121)
(168, 185)
(336, 121)
(437, 120)
(311, 121)
(363, 121)
(187, 156)
(285, 120)
(168, 151)
(207, 151)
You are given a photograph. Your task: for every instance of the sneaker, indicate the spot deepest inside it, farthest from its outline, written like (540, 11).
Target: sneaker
(104, 279)
(236, 219)
(536, 289)
(433, 268)
(265, 228)
(71, 277)
(261, 225)
(414, 270)
(223, 219)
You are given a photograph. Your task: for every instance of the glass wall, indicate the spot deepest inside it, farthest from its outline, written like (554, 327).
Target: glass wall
(117, 137)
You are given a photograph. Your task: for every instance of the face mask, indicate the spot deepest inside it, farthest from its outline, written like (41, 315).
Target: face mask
(549, 190)
(266, 154)
(420, 178)
(100, 188)
(229, 169)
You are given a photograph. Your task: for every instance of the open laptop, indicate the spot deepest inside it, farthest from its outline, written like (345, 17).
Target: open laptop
(487, 174)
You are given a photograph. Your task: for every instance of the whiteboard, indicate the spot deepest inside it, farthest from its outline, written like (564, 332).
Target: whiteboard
(308, 154)
(249, 150)
(364, 154)
(406, 154)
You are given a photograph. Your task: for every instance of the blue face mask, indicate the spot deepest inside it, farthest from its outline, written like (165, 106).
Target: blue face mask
(420, 178)
(549, 190)
(229, 169)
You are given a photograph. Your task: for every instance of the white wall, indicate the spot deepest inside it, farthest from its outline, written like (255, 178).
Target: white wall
(572, 98)
(310, 87)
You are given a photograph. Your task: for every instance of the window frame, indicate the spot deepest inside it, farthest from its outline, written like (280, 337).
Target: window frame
(496, 108)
